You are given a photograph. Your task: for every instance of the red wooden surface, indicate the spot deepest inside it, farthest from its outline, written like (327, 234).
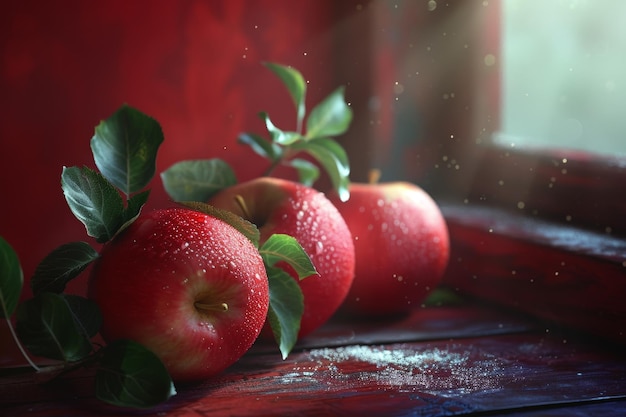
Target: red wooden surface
(562, 274)
(456, 360)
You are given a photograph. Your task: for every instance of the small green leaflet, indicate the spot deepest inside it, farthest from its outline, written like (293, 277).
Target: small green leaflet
(133, 208)
(132, 376)
(286, 308)
(308, 172)
(286, 299)
(280, 247)
(331, 117)
(61, 266)
(124, 148)
(261, 146)
(295, 84)
(245, 227)
(46, 326)
(334, 160)
(197, 180)
(94, 201)
(86, 314)
(11, 279)
(98, 204)
(279, 136)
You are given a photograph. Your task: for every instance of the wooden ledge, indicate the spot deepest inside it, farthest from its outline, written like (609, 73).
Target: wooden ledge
(568, 276)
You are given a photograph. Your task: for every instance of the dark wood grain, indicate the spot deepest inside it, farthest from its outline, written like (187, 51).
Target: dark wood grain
(496, 362)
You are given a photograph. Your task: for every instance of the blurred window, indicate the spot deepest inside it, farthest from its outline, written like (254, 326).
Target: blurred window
(564, 75)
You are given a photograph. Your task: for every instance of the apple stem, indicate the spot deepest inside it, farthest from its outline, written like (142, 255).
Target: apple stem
(241, 202)
(374, 176)
(211, 307)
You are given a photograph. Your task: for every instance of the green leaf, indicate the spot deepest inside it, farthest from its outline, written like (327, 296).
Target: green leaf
(295, 83)
(124, 148)
(132, 376)
(197, 180)
(286, 308)
(261, 146)
(133, 208)
(11, 279)
(245, 227)
(94, 201)
(331, 117)
(333, 158)
(86, 314)
(61, 266)
(284, 248)
(46, 326)
(308, 172)
(279, 136)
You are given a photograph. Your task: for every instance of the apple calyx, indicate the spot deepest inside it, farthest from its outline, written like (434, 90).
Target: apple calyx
(204, 308)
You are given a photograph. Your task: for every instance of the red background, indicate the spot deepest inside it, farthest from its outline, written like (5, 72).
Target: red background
(195, 66)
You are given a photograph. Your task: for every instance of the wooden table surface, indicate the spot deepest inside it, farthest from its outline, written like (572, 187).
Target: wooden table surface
(461, 359)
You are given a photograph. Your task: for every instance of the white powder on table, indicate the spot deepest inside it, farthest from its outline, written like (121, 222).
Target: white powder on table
(440, 370)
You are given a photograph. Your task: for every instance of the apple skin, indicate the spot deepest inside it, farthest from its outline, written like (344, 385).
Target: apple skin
(401, 244)
(149, 280)
(283, 206)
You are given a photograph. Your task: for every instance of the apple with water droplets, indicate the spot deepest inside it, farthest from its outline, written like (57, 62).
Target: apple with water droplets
(186, 285)
(401, 244)
(282, 206)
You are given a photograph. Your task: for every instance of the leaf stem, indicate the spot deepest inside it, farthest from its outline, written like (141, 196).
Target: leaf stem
(21, 348)
(272, 167)
(287, 154)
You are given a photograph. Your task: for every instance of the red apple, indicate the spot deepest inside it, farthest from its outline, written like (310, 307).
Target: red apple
(187, 286)
(282, 206)
(401, 245)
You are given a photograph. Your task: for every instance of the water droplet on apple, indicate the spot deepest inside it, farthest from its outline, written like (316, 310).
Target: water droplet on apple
(319, 247)
(300, 215)
(380, 202)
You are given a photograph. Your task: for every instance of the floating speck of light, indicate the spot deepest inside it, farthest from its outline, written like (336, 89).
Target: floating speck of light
(490, 60)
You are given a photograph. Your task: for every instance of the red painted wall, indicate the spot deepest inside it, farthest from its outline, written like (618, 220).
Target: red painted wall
(193, 65)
